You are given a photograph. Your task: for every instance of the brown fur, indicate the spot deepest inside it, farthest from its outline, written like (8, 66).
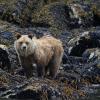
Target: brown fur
(46, 52)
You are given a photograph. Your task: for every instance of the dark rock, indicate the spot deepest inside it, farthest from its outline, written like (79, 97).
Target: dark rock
(39, 89)
(59, 16)
(91, 54)
(83, 14)
(91, 72)
(4, 60)
(20, 71)
(96, 13)
(20, 11)
(83, 42)
(6, 37)
(13, 58)
(27, 94)
(54, 15)
(2, 8)
(51, 19)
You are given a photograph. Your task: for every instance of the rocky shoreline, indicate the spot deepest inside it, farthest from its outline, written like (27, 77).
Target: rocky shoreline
(77, 24)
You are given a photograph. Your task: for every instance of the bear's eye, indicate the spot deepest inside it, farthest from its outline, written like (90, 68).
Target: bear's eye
(27, 43)
(20, 42)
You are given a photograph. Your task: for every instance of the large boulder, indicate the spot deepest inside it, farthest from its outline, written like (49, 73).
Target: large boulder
(18, 87)
(95, 7)
(53, 15)
(91, 54)
(4, 58)
(83, 14)
(84, 41)
(61, 16)
(19, 11)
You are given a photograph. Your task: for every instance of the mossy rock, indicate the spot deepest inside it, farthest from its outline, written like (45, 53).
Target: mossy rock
(7, 2)
(96, 11)
(20, 11)
(53, 16)
(83, 13)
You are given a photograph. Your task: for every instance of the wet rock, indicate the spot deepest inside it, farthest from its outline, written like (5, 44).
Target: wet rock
(53, 15)
(72, 16)
(28, 94)
(92, 54)
(84, 41)
(2, 8)
(96, 13)
(82, 69)
(59, 16)
(83, 14)
(52, 18)
(20, 11)
(7, 35)
(4, 58)
(40, 89)
(20, 71)
(91, 72)
(13, 58)
(6, 38)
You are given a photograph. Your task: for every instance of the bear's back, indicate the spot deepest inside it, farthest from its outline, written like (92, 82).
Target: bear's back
(51, 40)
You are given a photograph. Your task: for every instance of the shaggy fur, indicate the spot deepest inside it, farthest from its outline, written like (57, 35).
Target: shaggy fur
(46, 52)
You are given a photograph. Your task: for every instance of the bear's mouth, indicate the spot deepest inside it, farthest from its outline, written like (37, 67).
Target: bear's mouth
(23, 48)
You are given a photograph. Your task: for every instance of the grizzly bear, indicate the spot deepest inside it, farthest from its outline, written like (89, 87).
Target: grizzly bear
(46, 52)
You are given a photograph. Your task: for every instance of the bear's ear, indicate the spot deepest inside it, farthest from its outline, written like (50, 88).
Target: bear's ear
(17, 35)
(30, 35)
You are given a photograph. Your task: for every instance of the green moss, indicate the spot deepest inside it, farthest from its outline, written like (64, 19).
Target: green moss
(48, 17)
(43, 16)
(8, 2)
(4, 1)
(96, 9)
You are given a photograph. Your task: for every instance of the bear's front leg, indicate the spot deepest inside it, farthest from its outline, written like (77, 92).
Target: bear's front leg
(27, 65)
(40, 71)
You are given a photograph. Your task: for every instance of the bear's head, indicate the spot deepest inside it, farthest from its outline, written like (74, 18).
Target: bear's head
(24, 44)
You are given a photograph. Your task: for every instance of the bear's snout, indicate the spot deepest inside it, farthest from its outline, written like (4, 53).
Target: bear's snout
(24, 47)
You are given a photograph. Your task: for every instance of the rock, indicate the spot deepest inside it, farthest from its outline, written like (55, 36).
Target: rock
(53, 15)
(3, 47)
(59, 16)
(4, 58)
(96, 13)
(84, 41)
(39, 89)
(83, 14)
(81, 42)
(91, 54)
(20, 11)
(6, 38)
(13, 58)
(74, 15)
(91, 71)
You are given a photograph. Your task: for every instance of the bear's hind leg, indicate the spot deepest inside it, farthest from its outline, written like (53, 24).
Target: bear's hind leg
(28, 72)
(40, 71)
(46, 70)
(53, 71)
(54, 66)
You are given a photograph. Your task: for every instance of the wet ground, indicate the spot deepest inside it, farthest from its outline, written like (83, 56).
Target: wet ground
(77, 25)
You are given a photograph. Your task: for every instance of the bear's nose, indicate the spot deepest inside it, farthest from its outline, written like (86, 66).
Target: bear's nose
(24, 47)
